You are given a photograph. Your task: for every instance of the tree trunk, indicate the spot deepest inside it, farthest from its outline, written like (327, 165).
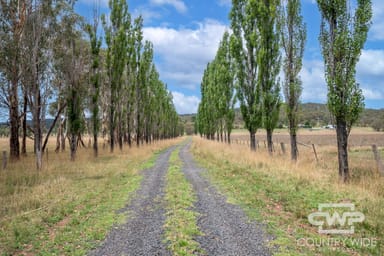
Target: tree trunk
(294, 149)
(73, 146)
(111, 124)
(269, 140)
(342, 149)
(120, 135)
(138, 135)
(24, 126)
(95, 145)
(252, 137)
(129, 135)
(229, 137)
(37, 127)
(38, 140)
(14, 144)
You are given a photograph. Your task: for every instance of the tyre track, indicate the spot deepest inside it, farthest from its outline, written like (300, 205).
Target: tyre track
(143, 232)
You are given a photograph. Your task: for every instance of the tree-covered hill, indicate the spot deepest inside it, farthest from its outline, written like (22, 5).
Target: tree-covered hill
(310, 114)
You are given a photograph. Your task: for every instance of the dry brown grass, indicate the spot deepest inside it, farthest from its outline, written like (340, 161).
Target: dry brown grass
(250, 178)
(365, 177)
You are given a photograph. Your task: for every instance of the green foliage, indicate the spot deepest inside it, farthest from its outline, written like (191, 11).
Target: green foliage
(342, 38)
(216, 110)
(245, 45)
(293, 36)
(95, 44)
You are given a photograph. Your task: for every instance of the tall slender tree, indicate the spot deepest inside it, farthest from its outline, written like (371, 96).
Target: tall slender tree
(268, 58)
(95, 44)
(245, 45)
(293, 36)
(342, 37)
(116, 38)
(13, 15)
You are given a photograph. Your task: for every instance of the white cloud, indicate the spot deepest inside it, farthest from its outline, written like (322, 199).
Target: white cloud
(177, 4)
(184, 53)
(227, 3)
(377, 29)
(101, 3)
(314, 86)
(371, 63)
(371, 94)
(146, 13)
(369, 74)
(185, 104)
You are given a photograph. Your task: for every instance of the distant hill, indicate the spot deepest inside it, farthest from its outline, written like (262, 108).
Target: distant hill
(310, 114)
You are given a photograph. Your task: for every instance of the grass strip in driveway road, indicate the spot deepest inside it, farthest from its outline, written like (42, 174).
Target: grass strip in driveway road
(181, 223)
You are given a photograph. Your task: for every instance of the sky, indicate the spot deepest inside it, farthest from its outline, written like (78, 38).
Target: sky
(186, 34)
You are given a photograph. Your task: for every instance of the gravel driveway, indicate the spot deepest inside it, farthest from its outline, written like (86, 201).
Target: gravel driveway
(226, 229)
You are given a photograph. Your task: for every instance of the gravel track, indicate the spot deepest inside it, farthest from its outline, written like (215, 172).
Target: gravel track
(227, 230)
(143, 232)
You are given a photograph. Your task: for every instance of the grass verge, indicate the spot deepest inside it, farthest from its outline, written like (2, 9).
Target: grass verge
(181, 223)
(282, 195)
(68, 207)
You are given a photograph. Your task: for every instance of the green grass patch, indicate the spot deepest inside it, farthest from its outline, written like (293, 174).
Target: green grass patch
(181, 223)
(283, 202)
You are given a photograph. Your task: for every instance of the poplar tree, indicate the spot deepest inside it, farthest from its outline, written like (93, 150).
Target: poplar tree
(116, 39)
(293, 36)
(245, 45)
(342, 37)
(268, 58)
(95, 44)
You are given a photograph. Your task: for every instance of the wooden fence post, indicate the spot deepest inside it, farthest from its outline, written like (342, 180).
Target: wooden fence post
(4, 160)
(282, 147)
(379, 164)
(314, 151)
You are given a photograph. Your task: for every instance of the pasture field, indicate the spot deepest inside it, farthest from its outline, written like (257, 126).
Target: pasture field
(282, 194)
(360, 136)
(68, 207)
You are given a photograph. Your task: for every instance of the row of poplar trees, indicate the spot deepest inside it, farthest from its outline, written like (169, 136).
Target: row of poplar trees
(52, 62)
(270, 35)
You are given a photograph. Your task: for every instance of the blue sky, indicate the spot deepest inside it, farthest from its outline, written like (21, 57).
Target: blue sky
(186, 34)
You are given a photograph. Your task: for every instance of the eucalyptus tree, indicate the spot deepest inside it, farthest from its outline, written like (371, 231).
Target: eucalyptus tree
(342, 37)
(13, 14)
(116, 39)
(35, 65)
(95, 44)
(245, 45)
(293, 36)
